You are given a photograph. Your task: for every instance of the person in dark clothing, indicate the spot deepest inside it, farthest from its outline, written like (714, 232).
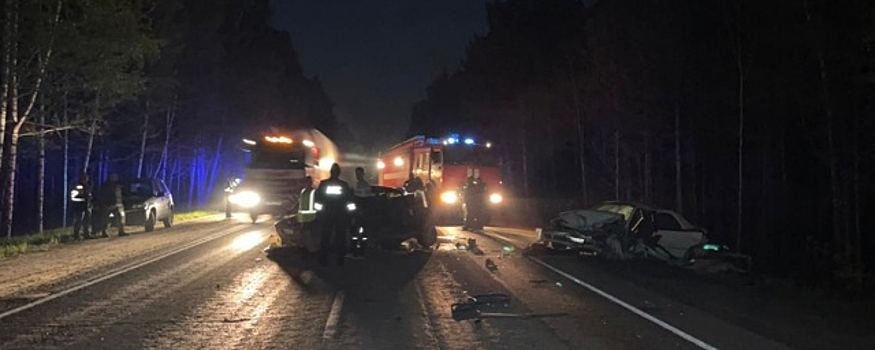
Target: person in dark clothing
(413, 184)
(230, 186)
(474, 194)
(334, 204)
(111, 203)
(81, 206)
(364, 196)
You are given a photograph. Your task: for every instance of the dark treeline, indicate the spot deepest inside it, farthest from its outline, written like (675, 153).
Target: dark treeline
(160, 88)
(752, 118)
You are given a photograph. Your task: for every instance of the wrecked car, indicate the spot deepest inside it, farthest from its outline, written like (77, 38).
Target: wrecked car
(623, 230)
(389, 217)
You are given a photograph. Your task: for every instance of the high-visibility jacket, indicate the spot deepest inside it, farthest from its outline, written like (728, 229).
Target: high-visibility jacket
(80, 196)
(306, 209)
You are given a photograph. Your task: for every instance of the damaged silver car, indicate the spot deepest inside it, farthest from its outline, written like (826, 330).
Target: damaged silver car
(624, 230)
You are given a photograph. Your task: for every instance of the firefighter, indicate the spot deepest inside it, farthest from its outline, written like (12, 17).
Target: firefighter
(81, 206)
(474, 201)
(334, 205)
(111, 204)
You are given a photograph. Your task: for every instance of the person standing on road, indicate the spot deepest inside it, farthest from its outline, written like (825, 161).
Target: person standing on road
(111, 200)
(81, 206)
(363, 194)
(306, 201)
(362, 187)
(306, 216)
(334, 205)
(474, 201)
(230, 184)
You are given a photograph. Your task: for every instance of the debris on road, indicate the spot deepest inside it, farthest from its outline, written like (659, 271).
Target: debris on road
(474, 307)
(490, 265)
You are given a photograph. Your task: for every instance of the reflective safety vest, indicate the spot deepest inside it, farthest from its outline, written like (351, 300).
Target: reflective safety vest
(306, 210)
(80, 194)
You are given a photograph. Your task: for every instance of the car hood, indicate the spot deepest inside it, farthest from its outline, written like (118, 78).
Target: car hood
(584, 220)
(130, 201)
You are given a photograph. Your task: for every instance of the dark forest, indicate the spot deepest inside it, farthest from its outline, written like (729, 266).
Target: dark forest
(140, 88)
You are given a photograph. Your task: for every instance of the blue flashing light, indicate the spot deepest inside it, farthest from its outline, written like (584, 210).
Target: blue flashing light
(451, 141)
(469, 141)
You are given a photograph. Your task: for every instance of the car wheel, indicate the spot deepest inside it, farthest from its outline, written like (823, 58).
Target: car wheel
(150, 222)
(169, 220)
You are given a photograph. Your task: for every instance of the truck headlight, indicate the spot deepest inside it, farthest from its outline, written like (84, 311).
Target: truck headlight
(350, 206)
(317, 206)
(245, 199)
(496, 198)
(450, 197)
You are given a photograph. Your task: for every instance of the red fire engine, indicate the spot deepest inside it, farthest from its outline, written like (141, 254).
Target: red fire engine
(443, 165)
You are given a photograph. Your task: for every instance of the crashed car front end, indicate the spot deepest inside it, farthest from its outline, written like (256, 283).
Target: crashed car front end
(580, 230)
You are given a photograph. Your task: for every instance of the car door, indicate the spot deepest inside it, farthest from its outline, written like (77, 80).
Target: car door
(167, 195)
(161, 201)
(674, 238)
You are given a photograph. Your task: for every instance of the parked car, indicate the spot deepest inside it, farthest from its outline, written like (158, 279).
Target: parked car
(623, 230)
(147, 201)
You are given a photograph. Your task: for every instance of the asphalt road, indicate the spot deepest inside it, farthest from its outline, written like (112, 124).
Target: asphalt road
(219, 289)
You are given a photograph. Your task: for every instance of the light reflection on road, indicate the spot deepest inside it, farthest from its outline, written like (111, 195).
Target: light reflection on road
(252, 283)
(247, 241)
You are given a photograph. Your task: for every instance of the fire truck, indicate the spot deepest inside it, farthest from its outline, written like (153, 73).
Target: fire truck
(278, 164)
(443, 165)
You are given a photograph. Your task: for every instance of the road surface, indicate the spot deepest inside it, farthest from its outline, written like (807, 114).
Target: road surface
(211, 285)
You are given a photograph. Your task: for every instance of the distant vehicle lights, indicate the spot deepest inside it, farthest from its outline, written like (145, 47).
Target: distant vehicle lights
(496, 198)
(450, 197)
(381, 165)
(469, 141)
(277, 139)
(245, 199)
(308, 143)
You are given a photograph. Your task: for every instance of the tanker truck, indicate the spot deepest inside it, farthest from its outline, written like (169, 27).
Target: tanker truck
(279, 163)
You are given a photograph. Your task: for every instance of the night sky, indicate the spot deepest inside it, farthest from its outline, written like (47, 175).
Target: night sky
(375, 58)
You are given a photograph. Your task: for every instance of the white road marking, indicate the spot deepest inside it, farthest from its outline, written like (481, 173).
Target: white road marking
(113, 273)
(686, 336)
(333, 316)
(627, 306)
